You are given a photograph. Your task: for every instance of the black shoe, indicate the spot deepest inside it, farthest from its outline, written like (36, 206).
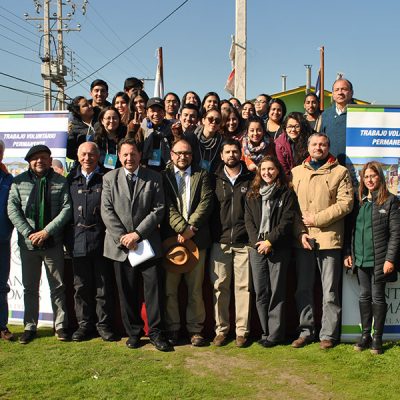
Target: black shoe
(62, 335)
(173, 337)
(81, 334)
(266, 343)
(108, 335)
(27, 337)
(133, 342)
(161, 344)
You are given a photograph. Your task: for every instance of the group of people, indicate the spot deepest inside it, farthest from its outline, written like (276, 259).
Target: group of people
(195, 187)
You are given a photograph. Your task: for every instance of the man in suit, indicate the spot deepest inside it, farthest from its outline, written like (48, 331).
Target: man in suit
(132, 207)
(189, 200)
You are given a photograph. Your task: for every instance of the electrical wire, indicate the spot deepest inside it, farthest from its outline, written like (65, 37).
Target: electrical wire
(14, 41)
(20, 79)
(17, 55)
(136, 41)
(19, 34)
(13, 22)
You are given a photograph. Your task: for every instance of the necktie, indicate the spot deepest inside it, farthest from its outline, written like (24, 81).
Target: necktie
(182, 193)
(131, 183)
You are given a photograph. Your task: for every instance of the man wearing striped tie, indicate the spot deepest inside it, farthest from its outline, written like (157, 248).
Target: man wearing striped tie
(189, 205)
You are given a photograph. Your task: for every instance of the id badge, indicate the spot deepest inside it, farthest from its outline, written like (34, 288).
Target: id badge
(110, 161)
(155, 159)
(205, 164)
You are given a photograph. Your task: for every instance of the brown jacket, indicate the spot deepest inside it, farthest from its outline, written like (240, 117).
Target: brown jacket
(328, 194)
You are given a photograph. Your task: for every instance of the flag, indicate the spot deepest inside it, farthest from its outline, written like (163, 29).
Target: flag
(230, 83)
(159, 82)
(318, 84)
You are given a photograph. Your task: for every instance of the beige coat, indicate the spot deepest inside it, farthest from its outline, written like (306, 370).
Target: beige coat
(327, 193)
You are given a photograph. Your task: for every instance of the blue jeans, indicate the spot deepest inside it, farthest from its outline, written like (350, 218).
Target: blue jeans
(5, 253)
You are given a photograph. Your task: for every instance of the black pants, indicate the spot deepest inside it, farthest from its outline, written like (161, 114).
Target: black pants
(93, 283)
(128, 282)
(370, 291)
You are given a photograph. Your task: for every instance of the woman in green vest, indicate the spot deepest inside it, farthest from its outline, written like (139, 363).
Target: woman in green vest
(373, 250)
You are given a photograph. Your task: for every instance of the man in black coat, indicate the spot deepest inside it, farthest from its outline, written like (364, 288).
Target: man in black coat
(93, 273)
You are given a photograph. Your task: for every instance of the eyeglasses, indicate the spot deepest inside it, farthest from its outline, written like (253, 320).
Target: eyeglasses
(291, 127)
(372, 177)
(260, 102)
(212, 120)
(182, 153)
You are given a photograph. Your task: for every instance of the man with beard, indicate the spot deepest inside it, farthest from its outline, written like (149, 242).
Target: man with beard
(312, 112)
(229, 253)
(325, 196)
(189, 202)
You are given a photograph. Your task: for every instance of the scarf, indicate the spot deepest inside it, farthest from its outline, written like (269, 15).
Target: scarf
(39, 202)
(266, 193)
(255, 153)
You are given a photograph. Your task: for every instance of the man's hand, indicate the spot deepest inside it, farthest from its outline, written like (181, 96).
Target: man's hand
(304, 241)
(264, 247)
(308, 219)
(130, 240)
(38, 238)
(188, 233)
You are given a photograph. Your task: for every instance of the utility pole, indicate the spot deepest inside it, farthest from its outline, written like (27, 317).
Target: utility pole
(53, 69)
(240, 49)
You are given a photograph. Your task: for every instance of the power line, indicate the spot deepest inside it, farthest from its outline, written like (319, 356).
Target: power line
(20, 79)
(137, 41)
(120, 40)
(13, 22)
(14, 41)
(22, 91)
(17, 55)
(19, 34)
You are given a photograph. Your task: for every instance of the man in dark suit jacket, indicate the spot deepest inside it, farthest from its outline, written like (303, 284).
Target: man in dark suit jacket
(132, 208)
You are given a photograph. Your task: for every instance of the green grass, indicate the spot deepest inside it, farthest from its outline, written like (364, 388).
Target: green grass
(48, 369)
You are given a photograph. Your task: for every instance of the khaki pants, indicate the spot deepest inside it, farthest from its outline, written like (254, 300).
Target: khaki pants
(195, 311)
(227, 262)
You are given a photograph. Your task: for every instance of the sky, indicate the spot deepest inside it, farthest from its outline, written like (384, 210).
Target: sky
(360, 40)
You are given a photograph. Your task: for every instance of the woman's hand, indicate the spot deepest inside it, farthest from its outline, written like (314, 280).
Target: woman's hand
(388, 267)
(348, 262)
(264, 247)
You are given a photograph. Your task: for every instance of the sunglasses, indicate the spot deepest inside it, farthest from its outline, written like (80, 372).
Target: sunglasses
(212, 120)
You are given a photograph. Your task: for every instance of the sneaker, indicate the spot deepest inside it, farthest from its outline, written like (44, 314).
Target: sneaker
(219, 340)
(302, 341)
(197, 340)
(6, 335)
(62, 335)
(27, 337)
(240, 341)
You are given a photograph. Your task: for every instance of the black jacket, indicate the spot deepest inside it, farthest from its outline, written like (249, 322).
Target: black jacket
(385, 235)
(228, 219)
(283, 208)
(86, 234)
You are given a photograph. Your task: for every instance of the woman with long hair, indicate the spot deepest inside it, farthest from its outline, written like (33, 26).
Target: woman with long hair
(233, 125)
(256, 143)
(269, 214)
(81, 125)
(291, 145)
(109, 131)
(247, 110)
(210, 100)
(373, 250)
(121, 103)
(276, 113)
(191, 98)
(208, 134)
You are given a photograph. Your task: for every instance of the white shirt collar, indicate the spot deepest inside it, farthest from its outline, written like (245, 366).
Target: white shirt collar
(188, 170)
(135, 172)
